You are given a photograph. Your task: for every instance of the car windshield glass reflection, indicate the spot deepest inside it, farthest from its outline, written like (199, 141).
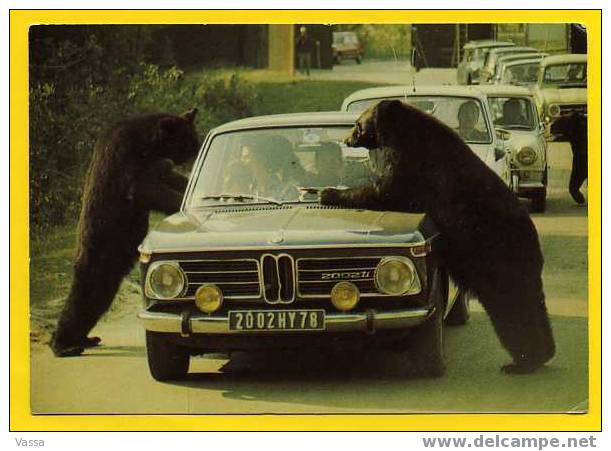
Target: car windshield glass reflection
(279, 165)
(464, 115)
(566, 75)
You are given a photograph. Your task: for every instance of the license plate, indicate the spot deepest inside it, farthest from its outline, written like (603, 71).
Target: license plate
(276, 320)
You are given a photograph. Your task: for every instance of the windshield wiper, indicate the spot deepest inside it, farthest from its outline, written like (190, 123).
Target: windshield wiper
(518, 127)
(241, 198)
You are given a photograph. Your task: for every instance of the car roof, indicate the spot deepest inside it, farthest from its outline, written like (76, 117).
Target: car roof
(325, 118)
(524, 55)
(487, 43)
(565, 58)
(525, 60)
(505, 90)
(383, 92)
(513, 49)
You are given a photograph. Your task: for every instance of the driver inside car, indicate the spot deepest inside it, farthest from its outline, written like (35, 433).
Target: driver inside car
(468, 115)
(512, 114)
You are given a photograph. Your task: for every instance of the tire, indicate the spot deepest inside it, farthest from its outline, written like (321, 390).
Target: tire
(426, 345)
(166, 361)
(460, 312)
(539, 202)
(469, 80)
(359, 60)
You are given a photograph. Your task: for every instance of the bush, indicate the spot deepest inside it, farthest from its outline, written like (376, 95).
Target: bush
(82, 83)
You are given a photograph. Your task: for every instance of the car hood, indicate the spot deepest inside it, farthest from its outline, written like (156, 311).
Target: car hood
(275, 226)
(568, 95)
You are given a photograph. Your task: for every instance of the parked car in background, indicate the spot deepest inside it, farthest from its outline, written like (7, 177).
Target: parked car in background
(346, 45)
(507, 59)
(445, 103)
(253, 261)
(520, 72)
(494, 55)
(513, 109)
(474, 55)
(561, 87)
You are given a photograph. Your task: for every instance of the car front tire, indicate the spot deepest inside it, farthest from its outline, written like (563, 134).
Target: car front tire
(166, 360)
(539, 202)
(460, 312)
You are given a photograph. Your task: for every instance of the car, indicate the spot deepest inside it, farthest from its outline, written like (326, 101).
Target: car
(445, 103)
(346, 45)
(513, 109)
(474, 55)
(253, 261)
(561, 87)
(488, 70)
(519, 72)
(508, 59)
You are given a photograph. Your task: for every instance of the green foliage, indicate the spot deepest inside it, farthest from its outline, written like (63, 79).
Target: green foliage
(83, 80)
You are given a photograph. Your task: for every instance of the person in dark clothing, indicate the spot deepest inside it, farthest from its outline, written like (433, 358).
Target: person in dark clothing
(304, 51)
(574, 129)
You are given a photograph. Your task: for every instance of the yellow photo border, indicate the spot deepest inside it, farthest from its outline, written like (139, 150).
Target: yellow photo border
(21, 418)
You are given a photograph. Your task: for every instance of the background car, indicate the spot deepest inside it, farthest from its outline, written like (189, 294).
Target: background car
(474, 55)
(444, 103)
(513, 109)
(519, 72)
(494, 55)
(253, 261)
(346, 45)
(561, 88)
(507, 59)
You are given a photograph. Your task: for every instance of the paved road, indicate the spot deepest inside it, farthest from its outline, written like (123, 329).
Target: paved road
(114, 378)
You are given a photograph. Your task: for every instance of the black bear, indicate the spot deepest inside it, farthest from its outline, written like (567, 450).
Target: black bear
(490, 245)
(574, 129)
(130, 174)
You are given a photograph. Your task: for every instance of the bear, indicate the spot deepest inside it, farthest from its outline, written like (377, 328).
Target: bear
(130, 174)
(489, 245)
(574, 129)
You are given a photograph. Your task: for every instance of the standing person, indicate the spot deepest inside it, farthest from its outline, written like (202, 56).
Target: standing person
(304, 51)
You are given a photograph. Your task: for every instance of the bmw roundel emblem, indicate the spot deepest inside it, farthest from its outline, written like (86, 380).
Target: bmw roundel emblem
(276, 238)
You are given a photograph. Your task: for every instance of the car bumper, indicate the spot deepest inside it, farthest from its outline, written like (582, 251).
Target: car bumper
(368, 321)
(530, 181)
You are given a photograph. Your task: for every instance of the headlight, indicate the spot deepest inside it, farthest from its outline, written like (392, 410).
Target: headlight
(553, 110)
(165, 280)
(208, 298)
(396, 276)
(526, 156)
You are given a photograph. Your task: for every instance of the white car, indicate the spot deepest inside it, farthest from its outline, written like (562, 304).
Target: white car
(445, 103)
(474, 55)
(519, 72)
(562, 86)
(513, 109)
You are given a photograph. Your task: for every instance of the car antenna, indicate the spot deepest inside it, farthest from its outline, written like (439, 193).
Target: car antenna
(413, 65)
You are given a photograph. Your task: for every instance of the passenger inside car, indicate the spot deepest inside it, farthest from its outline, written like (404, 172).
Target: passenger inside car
(329, 165)
(468, 115)
(512, 114)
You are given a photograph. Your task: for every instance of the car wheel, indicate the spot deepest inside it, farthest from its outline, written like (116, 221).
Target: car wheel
(426, 342)
(539, 202)
(469, 80)
(166, 360)
(359, 60)
(460, 312)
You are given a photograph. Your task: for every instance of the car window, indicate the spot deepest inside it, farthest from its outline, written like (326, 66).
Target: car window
(519, 74)
(512, 113)
(463, 114)
(566, 75)
(275, 163)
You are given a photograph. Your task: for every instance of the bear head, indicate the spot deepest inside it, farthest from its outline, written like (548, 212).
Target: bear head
(175, 137)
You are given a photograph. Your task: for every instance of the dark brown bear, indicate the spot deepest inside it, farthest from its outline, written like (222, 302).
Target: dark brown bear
(490, 245)
(131, 173)
(574, 129)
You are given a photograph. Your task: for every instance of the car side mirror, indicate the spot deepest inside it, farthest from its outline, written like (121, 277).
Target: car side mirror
(502, 134)
(499, 153)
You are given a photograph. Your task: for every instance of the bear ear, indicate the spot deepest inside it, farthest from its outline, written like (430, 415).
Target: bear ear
(190, 115)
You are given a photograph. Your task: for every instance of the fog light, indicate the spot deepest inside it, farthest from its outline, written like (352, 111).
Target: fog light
(208, 298)
(345, 296)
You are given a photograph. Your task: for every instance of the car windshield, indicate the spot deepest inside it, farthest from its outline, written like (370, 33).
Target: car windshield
(279, 165)
(463, 114)
(512, 113)
(521, 74)
(566, 75)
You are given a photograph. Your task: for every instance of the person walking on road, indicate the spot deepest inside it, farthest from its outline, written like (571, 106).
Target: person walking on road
(304, 51)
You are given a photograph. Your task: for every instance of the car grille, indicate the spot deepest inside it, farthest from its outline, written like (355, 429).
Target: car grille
(278, 273)
(568, 108)
(238, 279)
(317, 276)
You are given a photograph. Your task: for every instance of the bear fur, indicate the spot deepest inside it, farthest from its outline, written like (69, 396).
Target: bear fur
(489, 244)
(574, 129)
(131, 173)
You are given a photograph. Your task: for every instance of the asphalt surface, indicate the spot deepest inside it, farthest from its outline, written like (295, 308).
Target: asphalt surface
(114, 378)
